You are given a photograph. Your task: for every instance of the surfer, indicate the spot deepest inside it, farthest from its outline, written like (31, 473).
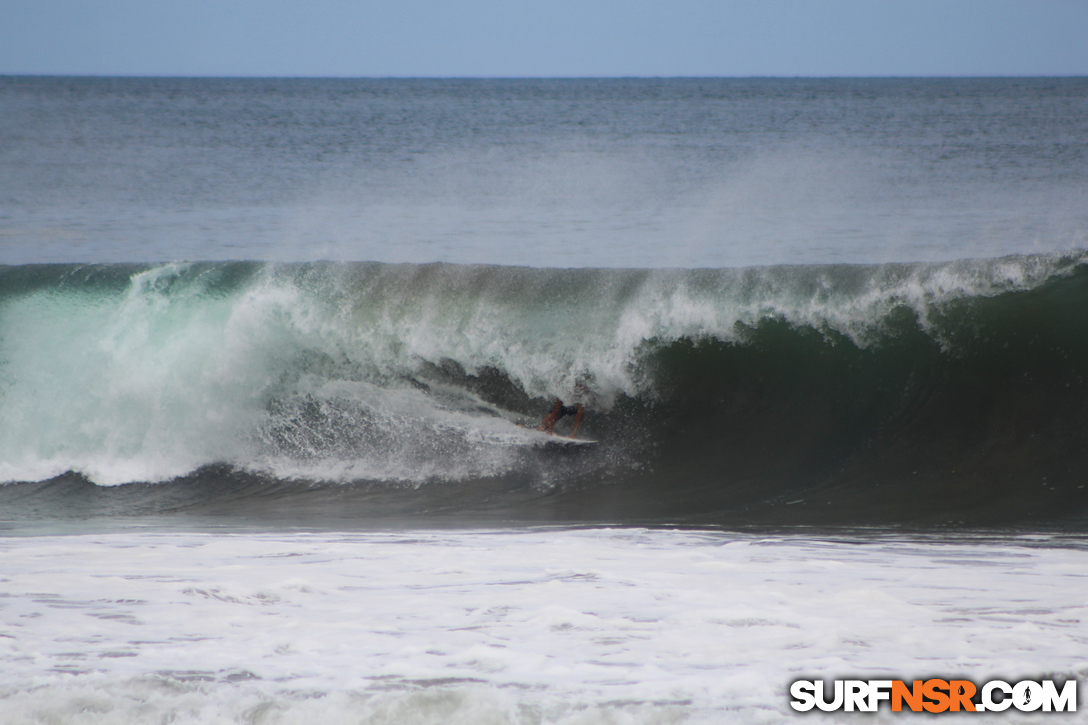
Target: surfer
(559, 411)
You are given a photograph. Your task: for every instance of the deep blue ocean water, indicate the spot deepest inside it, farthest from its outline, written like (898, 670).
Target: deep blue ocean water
(546, 173)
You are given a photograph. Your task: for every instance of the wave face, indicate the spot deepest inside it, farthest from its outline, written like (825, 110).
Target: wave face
(933, 393)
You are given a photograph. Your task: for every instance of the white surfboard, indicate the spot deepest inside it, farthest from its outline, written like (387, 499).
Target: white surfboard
(556, 439)
(564, 441)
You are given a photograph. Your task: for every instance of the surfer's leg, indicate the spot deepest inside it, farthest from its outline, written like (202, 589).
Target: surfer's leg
(577, 419)
(548, 424)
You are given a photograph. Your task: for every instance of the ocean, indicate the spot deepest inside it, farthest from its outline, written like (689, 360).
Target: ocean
(271, 353)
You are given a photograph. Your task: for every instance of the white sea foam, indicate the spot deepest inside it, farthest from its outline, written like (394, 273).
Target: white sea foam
(538, 626)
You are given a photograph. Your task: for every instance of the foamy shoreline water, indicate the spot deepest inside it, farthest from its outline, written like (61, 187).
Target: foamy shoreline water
(532, 626)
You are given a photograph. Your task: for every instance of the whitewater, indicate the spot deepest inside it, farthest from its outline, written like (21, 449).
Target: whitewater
(271, 352)
(579, 626)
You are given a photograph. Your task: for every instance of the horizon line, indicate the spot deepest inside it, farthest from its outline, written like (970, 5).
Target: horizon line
(934, 76)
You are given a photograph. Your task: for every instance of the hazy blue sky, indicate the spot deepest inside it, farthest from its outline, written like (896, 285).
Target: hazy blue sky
(545, 37)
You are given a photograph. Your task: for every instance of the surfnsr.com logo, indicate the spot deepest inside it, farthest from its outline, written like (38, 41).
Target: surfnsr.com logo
(934, 695)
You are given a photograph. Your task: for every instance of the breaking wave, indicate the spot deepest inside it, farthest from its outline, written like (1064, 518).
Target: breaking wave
(792, 394)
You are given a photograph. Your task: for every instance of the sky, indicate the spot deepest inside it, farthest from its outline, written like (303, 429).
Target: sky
(544, 38)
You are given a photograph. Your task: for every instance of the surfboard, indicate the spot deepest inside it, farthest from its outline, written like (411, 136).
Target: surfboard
(564, 441)
(556, 439)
